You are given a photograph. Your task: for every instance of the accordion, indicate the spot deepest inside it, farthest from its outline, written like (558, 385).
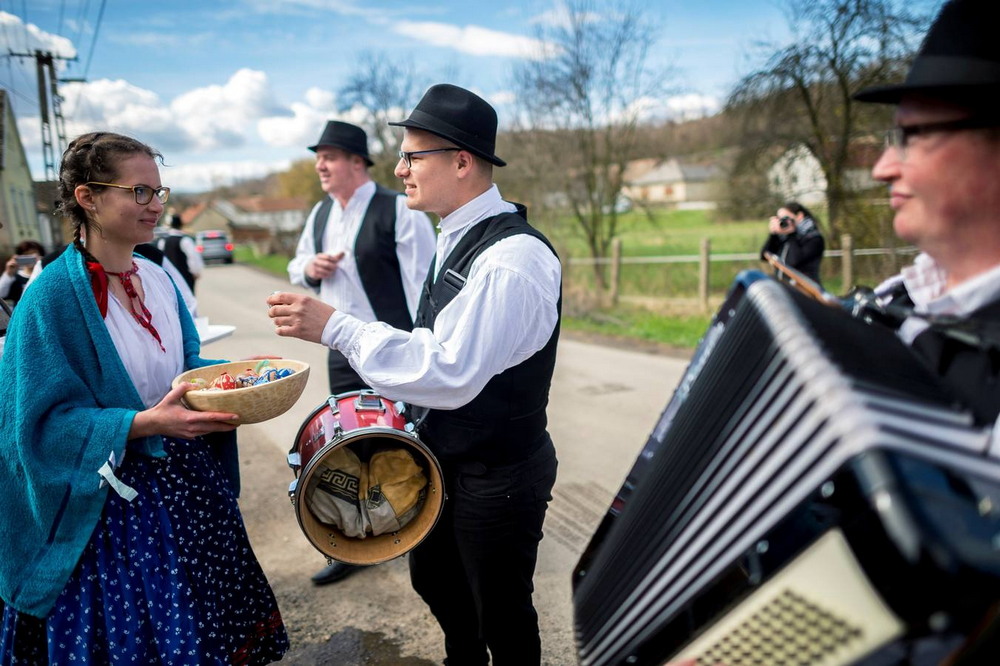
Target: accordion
(811, 495)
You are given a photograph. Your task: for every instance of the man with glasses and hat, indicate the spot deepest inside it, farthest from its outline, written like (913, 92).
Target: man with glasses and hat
(363, 251)
(479, 363)
(942, 166)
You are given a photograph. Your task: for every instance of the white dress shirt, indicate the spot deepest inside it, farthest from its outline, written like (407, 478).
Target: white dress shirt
(343, 289)
(926, 284)
(150, 368)
(505, 313)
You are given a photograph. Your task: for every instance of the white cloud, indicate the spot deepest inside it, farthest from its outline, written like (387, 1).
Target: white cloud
(691, 106)
(28, 38)
(206, 176)
(472, 39)
(303, 127)
(222, 116)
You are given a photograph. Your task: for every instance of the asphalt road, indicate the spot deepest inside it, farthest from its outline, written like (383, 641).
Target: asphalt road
(604, 402)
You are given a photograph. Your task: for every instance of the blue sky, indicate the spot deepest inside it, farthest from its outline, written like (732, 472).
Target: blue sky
(238, 88)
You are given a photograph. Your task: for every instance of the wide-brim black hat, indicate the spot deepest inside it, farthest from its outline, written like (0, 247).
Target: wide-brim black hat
(460, 116)
(345, 136)
(959, 60)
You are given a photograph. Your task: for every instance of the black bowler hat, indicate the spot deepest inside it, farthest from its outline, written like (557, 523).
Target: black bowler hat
(959, 60)
(346, 137)
(459, 116)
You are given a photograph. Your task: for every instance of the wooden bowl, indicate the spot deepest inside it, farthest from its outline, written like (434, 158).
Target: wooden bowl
(253, 404)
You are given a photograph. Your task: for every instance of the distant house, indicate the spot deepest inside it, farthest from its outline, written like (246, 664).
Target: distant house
(270, 224)
(18, 208)
(674, 183)
(203, 217)
(797, 175)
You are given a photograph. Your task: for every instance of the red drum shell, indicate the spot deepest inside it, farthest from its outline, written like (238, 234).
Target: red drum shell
(365, 419)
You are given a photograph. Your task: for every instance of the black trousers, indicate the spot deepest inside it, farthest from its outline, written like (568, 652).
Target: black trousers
(475, 568)
(342, 376)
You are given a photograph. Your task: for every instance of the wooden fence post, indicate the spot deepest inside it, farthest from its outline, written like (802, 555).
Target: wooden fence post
(616, 268)
(847, 262)
(706, 248)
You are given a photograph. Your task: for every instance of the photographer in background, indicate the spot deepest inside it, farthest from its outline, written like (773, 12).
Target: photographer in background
(18, 270)
(795, 239)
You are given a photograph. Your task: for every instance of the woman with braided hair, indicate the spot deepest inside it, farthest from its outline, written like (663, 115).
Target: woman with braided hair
(120, 539)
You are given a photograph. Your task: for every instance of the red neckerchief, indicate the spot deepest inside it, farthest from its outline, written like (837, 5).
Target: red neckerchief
(99, 283)
(145, 319)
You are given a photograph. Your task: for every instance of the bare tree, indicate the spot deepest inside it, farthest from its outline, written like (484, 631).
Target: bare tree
(802, 94)
(579, 103)
(383, 90)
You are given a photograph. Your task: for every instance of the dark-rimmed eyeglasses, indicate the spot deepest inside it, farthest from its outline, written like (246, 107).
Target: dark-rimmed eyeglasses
(898, 137)
(408, 157)
(143, 193)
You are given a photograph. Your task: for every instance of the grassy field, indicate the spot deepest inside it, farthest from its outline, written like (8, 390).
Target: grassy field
(658, 300)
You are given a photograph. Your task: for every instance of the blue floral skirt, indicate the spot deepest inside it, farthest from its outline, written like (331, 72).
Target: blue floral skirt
(169, 578)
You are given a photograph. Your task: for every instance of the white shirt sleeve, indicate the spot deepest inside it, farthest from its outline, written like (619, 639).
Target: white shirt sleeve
(194, 259)
(415, 246)
(189, 300)
(505, 313)
(304, 251)
(6, 282)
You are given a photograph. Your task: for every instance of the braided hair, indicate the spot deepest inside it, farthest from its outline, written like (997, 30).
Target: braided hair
(92, 157)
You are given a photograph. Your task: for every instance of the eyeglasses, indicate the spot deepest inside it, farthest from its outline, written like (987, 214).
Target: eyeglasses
(143, 193)
(898, 137)
(408, 157)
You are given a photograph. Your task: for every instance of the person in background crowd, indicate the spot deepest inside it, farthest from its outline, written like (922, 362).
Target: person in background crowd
(479, 363)
(795, 239)
(17, 272)
(120, 538)
(179, 249)
(363, 251)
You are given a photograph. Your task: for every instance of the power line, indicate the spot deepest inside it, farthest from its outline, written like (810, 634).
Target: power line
(93, 43)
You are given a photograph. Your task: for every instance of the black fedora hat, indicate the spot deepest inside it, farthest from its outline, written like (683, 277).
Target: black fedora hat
(459, 116)
(959, 60)
(345, 136)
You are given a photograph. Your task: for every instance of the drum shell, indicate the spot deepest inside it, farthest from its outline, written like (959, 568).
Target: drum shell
(340, 422)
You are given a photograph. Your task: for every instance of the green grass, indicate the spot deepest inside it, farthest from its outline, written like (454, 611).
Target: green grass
(272, 263)
(683, 331)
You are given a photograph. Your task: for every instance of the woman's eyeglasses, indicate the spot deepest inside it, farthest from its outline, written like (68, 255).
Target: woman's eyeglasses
(143, 193)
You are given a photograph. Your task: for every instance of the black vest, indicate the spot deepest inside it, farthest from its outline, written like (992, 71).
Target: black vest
(171, 248)
(506, 421)
(375, 255)
(971, 371)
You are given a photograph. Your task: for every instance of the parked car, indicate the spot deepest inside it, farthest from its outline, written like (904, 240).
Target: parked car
(214, 246)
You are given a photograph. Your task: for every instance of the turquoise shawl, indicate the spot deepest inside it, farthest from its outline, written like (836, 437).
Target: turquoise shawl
(66, 405)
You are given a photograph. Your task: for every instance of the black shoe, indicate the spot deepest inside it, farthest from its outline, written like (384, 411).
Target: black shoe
(333, 572)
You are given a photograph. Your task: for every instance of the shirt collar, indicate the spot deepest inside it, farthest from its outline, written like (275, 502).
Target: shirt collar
(926, 283)
(362, 195)
(487, 204)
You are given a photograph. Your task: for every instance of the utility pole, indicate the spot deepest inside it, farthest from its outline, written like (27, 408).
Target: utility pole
(48, 90)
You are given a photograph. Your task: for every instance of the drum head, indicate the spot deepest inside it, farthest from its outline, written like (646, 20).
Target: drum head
(331, 540)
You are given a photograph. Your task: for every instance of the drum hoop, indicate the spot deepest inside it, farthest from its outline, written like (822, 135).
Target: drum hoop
(304, 473)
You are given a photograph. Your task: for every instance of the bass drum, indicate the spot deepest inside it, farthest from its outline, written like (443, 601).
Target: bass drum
(367, 490)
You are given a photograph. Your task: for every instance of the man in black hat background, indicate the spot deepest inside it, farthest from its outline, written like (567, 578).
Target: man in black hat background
(479, 362)
(363, 251)
(942, 166)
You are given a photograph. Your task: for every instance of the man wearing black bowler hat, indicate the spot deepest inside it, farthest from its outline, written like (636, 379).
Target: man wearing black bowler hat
(363, 251)
(479, 364)
(942, 165)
